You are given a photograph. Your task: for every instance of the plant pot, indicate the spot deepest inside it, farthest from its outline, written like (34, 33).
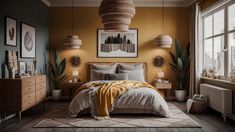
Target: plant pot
(56, 95)
(180, 95)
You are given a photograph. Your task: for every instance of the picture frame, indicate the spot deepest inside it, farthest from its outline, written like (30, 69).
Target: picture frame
(28, 41)
(117, 44)
(10, 31)
(22, 67)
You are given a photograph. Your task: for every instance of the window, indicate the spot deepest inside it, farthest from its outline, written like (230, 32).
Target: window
(219, 39)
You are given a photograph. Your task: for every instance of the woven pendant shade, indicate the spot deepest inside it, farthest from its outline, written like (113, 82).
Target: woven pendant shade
(73, 41)
(163, 41)
(116, 15)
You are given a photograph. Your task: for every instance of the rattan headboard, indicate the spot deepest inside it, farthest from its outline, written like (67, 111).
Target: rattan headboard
(102, 63)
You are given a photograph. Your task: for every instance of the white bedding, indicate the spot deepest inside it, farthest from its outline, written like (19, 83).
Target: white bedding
(138, 98)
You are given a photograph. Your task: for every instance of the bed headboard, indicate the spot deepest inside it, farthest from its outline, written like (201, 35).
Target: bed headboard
(102, 63)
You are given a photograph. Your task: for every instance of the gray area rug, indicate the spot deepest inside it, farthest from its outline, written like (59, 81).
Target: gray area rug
(58, 118)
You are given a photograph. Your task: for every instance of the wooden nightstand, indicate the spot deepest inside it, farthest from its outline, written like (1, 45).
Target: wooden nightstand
(72, 88)
(163, 86)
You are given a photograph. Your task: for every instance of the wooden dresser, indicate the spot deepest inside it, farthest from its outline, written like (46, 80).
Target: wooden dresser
(20, 94)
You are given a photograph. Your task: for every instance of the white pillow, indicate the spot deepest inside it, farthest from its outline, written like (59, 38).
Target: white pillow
(137, 75)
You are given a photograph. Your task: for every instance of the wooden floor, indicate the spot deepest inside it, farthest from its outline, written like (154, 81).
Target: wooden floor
(210, 122)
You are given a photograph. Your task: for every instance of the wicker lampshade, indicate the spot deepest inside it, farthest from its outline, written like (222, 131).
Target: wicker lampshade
(116, 15)
(73, 41)
(163, 41)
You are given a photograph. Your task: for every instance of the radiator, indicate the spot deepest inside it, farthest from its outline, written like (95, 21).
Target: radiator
(219, 99)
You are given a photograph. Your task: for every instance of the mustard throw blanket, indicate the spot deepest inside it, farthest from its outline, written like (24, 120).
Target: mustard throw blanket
(108, 92)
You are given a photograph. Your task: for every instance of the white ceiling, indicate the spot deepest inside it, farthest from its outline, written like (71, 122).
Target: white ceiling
(138, 3)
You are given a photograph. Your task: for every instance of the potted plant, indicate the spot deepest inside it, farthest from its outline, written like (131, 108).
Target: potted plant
(180, 65)
(56, 74)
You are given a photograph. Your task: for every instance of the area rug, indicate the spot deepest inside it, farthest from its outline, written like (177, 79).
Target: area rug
(58, 118)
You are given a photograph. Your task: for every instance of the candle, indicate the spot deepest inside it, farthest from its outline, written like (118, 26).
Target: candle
(75, 73)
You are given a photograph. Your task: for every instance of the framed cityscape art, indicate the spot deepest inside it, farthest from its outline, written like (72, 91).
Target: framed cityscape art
(28, 42)
(117, 44)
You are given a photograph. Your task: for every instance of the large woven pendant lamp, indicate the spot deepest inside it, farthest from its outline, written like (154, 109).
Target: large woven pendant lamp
(163, 40)
(73, 41)
(116, 15)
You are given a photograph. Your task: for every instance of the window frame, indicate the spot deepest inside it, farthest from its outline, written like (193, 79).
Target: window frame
(224, 5)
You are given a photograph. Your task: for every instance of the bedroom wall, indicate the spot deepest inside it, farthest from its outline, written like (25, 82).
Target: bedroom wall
(33, 12)
(147, 20)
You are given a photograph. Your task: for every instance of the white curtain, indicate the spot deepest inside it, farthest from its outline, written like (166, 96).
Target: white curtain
(195, 50)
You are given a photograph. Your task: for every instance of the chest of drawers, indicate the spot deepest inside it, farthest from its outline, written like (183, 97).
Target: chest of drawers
(17, 95)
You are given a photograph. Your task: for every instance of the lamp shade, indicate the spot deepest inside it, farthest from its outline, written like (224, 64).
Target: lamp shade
(73, 41)
(163, 41)
(116, 15)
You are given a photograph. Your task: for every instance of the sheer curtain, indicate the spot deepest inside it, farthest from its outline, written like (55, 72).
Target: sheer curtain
(195, 49)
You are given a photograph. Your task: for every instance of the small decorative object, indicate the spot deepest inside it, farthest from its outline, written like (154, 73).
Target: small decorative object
(158, 61)
(6, 71)
(232, 75)
(11, 58)
(160, 74)
(75, 61)
(10, 31)
(28, 41)
(117, 44)
(35, 66)
(204, 73)
(22, 67)
(12, 72)
(116, 15)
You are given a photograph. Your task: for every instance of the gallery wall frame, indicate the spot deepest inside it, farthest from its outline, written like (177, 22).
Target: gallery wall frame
(27, 41)
(117, 44)
(10, 33)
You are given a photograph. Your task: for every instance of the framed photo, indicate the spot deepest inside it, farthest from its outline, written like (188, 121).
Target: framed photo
(22, 67)
(10, 31)
(28, 41)
(117, 44)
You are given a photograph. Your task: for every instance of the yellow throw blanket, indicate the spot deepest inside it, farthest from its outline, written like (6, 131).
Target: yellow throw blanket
(108, 92)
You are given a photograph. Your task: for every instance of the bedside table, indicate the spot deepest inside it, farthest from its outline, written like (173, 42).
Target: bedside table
(72, 88)
(163, 86)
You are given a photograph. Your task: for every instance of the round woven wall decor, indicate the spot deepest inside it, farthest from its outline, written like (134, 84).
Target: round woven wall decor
(116, 15)
(158, 61)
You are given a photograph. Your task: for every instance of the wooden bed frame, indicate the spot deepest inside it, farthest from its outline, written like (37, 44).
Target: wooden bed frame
(103, 63)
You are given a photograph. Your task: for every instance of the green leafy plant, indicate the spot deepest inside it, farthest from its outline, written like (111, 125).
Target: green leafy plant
(56, 70)
(180, 65)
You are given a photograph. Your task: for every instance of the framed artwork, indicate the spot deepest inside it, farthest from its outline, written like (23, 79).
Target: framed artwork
(28, 41)
(10, 31)
(117, 44)
(22, 67)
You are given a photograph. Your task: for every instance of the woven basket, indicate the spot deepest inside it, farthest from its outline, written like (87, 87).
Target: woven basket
(198, 107)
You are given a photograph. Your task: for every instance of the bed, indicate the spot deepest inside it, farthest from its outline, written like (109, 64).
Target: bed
(117, 88)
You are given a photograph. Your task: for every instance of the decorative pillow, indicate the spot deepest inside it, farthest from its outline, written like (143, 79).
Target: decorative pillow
(137, 66)
(137, 75)
(112, 66)
(98, 74)
(120, 76)
(102, 68)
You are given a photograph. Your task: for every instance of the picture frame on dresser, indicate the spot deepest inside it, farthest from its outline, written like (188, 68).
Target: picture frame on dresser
(10, 31)
(27, 41)
(117, 44)
(22, 67)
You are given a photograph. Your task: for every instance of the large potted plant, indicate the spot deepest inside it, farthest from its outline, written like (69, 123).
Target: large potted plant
(56, 74)
(180, 65)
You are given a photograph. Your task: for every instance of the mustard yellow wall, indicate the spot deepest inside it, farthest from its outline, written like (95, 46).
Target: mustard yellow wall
(147, 20)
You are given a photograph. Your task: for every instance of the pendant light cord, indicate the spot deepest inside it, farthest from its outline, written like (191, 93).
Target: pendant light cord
(72, 17)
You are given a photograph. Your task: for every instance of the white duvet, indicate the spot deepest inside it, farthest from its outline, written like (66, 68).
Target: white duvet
(138, 98)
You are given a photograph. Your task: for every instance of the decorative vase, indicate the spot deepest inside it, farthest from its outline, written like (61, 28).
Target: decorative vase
(6, 72)
(180, 95)
(56, 95)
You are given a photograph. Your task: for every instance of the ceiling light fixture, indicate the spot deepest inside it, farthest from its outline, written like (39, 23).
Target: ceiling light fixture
(73, 41)
(163, 41)
(116, 15)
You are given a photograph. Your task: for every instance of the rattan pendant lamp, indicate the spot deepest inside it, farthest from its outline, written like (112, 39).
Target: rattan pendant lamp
(116, 15)
(73, 41)
(163, 40)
